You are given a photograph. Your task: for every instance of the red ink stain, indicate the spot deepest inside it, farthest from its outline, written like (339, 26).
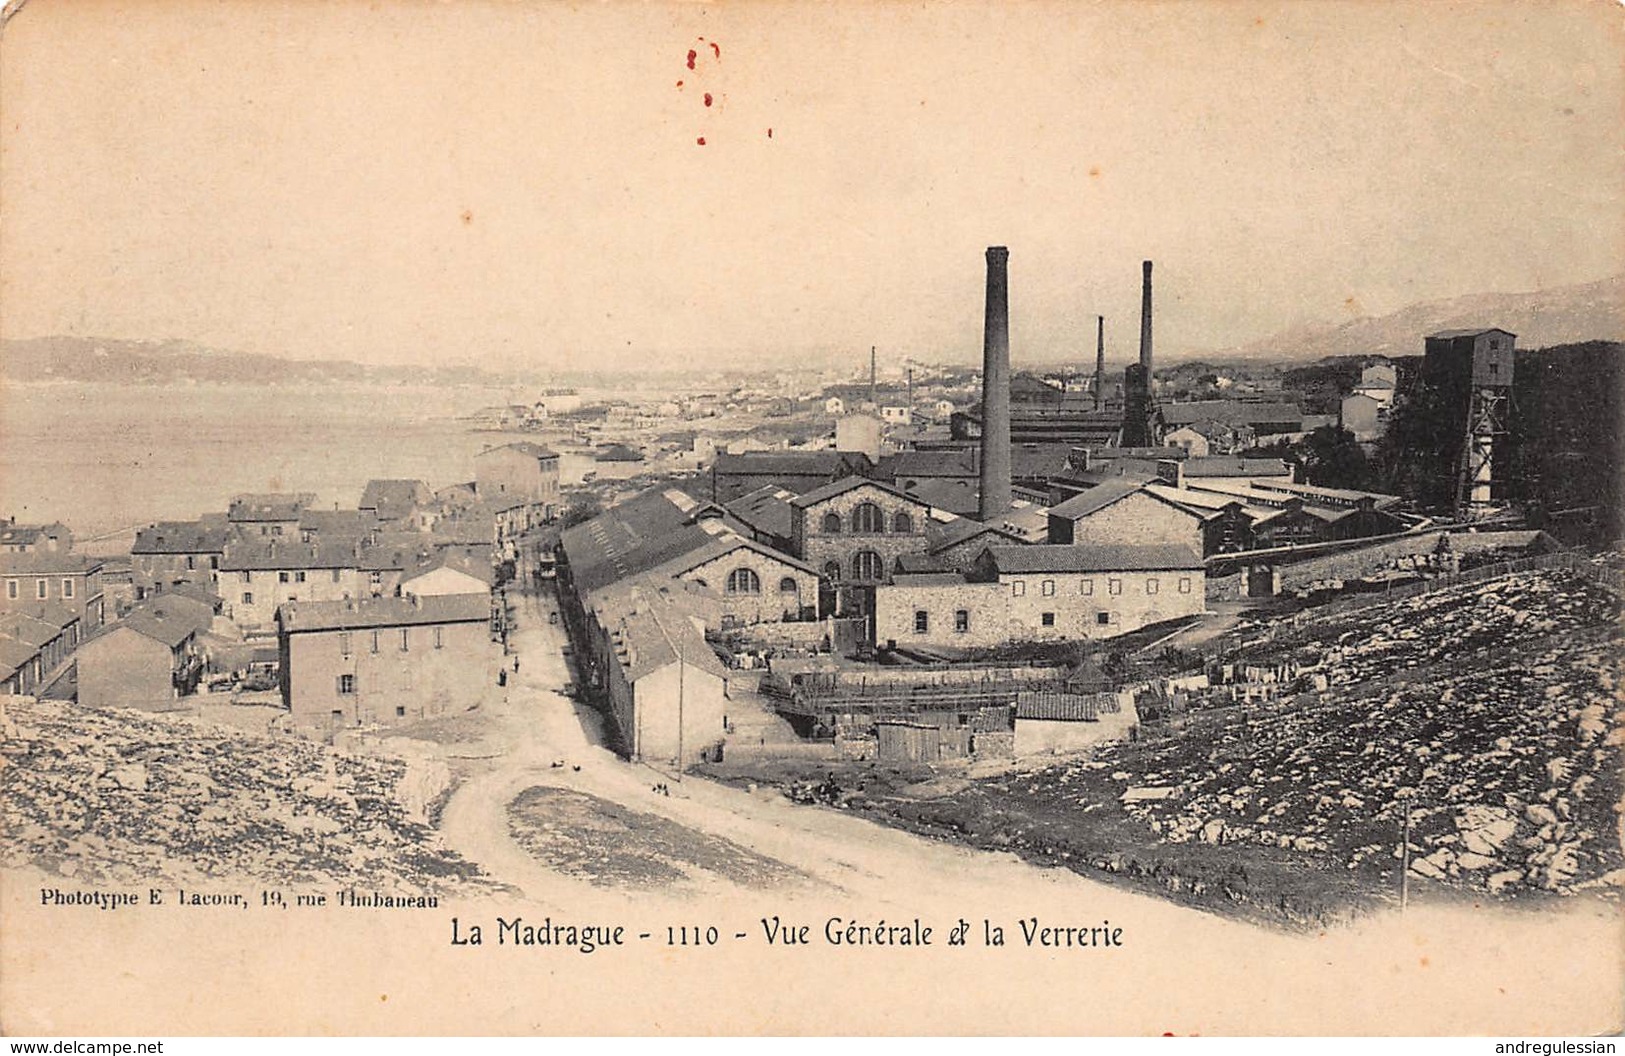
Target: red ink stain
(1094, 170)
(701, 141)
(692, 55)
(707, 98)
(770, 133)
(467, 217)
(716, 50)
(679, 84)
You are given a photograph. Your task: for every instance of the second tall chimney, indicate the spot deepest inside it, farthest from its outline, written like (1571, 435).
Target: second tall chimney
(995, 497)
(1145, 320)
(1100, 361)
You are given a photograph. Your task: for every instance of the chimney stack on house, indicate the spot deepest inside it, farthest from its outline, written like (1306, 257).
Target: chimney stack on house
(995, 496)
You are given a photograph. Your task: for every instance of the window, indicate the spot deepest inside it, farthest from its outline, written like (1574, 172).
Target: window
(867, 518)
(276, 529)
(832, 523)
(375, 578)
(1086, 587)
(335, 575)
(214, 561)
(1047, 588)
(346, 684)
(298, 577)
(11, 589)
(1184, 584)
(1152, 585)
(922, 621)
(744, 581)
(1114, 586)
(867, 565)
(191, 562)
(961, 621)
(1103, 618)
(1018, 588)
(375, 641)
(787, 585)
(439, 638)
(67, 588)
(245, 577)
(281, 577)
(1047, 619)
(248, 598)
(344, 643)
(42, 588)
(403, 639)
(902, 522)
(400, 711)
(832, 571)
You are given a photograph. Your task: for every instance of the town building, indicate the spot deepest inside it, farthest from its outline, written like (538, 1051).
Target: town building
(170, 553)
(32, 580)
(1363, 415)
(733, 475)
(852, 531)
(53, 642)
(1044, 592)
(22, 669)
(1123, 510)
(448, 571)
(24, 538)
(400, 503)
(518, 471)
(384, 661)
(149, 659)
(268, 515)
(665, 691)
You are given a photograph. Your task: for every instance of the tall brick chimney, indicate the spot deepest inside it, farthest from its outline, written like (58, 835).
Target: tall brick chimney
(995, 497)
(1145, 319)
(1100, 361)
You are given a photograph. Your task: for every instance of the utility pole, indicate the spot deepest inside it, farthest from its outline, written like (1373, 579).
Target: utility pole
(1405, 861)
(680, 666)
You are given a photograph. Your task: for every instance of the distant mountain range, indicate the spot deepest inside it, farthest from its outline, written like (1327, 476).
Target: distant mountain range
(126, 362)
(1567, 314)
(1593, 311)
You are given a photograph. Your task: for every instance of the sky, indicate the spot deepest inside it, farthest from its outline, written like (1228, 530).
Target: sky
(524, 184)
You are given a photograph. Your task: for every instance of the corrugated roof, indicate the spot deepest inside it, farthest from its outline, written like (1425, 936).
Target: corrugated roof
(296, 617)
(1063, 558)
(766, 510)
(629, 538)
(1235, 466)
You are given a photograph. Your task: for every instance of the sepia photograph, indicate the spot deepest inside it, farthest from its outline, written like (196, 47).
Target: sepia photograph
(542, 518)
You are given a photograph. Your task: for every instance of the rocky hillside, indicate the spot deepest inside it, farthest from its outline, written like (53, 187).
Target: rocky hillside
(118, 797)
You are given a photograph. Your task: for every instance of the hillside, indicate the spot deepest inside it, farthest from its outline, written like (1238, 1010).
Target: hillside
(1590, 312)
(125, 362)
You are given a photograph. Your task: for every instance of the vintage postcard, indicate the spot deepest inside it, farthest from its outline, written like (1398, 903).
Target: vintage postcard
(798, 519)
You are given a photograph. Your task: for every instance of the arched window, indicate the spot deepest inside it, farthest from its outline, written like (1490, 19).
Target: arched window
(832, 523)
(744, 581)
(787, 585)
(832, 571)
(867, 565)
(866, 517)
(902, 522)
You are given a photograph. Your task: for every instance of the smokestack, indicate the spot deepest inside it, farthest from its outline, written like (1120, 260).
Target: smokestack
(1100, 361)
(995, 499)
(872, 398)
(1145, 321)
